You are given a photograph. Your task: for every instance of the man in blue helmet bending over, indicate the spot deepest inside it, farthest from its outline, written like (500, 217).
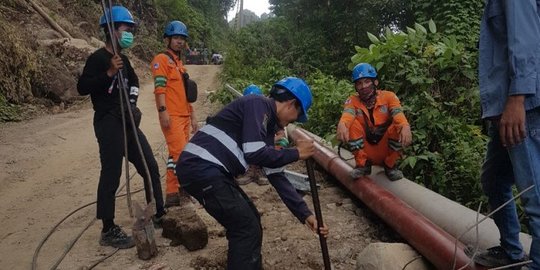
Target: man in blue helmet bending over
(240, 134)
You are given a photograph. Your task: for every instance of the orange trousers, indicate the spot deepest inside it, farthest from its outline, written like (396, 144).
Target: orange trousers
(386, 152)
(176, 136)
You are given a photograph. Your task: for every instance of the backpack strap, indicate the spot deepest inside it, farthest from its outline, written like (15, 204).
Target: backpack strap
(189, 85)
(170, 57)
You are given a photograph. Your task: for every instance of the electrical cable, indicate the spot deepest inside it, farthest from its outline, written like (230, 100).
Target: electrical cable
(411, 261)
(482, 220)
(103, 259)
(53, 229)
(475, 241)
(340, 146)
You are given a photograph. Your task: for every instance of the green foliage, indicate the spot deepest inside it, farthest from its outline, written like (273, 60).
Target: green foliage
(263, 75)
(9, 112)
(205, 20)
(270, 41)
(18, 65)
(222, 96)
(328, 97)
(181, 10)
(325, 32)
(460, 18)
(435, 77)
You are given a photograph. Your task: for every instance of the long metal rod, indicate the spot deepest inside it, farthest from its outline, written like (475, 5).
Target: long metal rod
(125, 99)
(110, 27)
(318, 212)
(427, 238)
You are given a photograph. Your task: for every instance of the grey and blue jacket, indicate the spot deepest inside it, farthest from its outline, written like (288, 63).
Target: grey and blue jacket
(509, 54)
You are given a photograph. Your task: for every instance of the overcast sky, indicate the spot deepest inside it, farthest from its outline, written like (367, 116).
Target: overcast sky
(257, 6)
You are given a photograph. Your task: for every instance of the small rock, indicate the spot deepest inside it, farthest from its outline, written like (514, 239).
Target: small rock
(346, 201)
(349, 206)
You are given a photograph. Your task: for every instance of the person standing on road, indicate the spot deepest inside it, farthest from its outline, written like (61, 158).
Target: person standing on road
(243, 133)
(373, 125)
(100, 80)
(176, 115)
(509, 73)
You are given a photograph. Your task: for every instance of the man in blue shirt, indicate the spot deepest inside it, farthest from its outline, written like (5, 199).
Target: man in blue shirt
(243, 133)
(509, 71)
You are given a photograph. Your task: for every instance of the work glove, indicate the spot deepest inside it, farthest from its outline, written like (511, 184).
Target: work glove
(282, 142)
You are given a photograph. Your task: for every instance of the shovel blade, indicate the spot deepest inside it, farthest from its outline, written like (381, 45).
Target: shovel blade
(143, 232)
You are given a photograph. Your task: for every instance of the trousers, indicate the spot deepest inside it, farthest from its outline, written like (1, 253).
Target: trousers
(518, 165)
(109, 133)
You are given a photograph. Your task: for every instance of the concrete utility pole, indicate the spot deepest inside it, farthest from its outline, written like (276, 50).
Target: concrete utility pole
(241, 15)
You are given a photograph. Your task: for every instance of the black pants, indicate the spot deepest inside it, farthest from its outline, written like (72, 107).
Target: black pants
(233, 209)
(110, 137)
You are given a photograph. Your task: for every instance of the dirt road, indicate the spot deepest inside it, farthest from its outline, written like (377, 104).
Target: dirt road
(50, 167)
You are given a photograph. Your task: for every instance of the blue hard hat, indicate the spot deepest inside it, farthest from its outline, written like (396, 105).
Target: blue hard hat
(363, 70)
(252, 89)
(176, 28)
(120, 14)
(301, 91)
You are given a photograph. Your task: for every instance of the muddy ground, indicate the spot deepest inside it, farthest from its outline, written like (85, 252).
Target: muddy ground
(49, 166)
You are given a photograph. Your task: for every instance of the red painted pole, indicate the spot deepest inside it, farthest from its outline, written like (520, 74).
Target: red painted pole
(427, 238)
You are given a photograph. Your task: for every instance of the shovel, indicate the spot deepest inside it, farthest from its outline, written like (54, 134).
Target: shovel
(142, 230)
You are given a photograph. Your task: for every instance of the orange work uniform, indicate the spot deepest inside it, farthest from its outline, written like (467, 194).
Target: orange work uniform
(387, 112)
(168, 80)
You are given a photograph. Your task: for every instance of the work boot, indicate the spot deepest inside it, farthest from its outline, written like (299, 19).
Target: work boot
(259, 177)
(172, 199)
(393, 173)
(496, 257)
(360, 171)
(157, 219)
(117, 238)
(247, 177)
(262, 181)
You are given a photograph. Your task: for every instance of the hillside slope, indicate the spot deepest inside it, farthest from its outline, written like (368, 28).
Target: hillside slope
(38, 64)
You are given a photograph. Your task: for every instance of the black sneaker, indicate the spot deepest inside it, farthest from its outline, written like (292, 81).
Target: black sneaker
(496, 257)
(157, 219)
(117, 238)
(360, 171)
(393, 174)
